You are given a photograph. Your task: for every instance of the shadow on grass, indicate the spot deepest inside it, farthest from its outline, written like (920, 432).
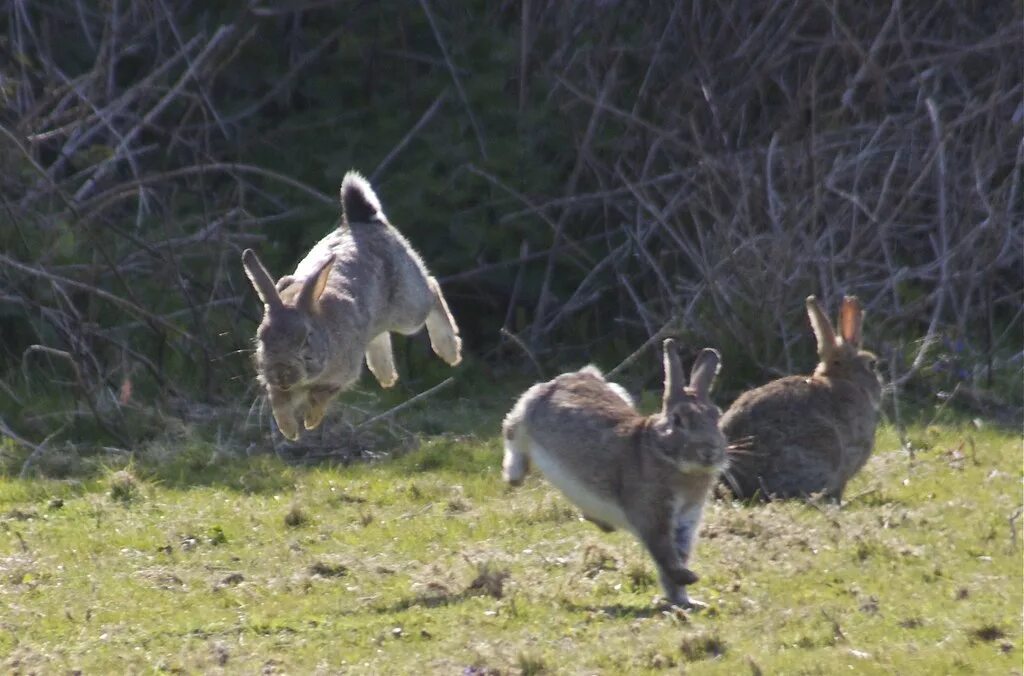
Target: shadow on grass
(439, 598)
(451, 432)
(197, 463)
(617, 610)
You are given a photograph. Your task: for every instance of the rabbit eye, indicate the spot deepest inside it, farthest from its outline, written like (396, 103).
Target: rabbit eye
(677, 420)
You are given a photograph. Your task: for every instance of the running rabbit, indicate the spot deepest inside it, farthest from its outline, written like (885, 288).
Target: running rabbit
(808, 434)
(648, 475)
(358, 284)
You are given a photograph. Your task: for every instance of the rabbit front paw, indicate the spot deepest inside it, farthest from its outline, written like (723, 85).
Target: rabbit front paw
(288, 425)
(682, 600)
(319, 398)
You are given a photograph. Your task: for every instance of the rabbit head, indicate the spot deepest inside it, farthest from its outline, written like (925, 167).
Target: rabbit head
(686, 429)
(841, 356)
(291, 349)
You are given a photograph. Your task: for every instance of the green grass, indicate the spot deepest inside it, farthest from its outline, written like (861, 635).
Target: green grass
(427, 563)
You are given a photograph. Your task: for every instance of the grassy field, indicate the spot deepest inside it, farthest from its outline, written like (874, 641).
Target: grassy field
(427, 563)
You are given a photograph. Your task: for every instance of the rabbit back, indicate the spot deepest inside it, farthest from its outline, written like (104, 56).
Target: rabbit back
(577, 430)
(579, 417)
(377, 274)
(799, 435)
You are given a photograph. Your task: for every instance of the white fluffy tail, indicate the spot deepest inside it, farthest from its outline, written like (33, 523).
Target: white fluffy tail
(359, 203)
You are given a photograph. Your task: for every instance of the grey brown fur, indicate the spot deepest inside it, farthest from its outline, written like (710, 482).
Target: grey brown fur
(356, 286)
(647, 474)
(803, 435)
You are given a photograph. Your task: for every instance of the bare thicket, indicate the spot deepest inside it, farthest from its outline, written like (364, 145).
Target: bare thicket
(122, 221)
(724, 161)
(735, 157)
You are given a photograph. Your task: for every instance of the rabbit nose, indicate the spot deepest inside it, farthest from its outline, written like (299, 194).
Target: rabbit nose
(284, 379)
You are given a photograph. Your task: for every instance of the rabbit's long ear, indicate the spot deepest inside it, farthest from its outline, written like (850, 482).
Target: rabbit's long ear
(315, 285)
(823, 330)
(705, 367)
(260, 279)
(851, 317)
(674, 379)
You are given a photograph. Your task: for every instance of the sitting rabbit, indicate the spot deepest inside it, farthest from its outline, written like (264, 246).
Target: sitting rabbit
(808, 434)
(357, 284)
(649, 475)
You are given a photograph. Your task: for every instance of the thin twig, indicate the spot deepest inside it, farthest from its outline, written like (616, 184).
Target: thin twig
(455, 78)
(116, 300)
(670, 328)
(406, 404)
(426, 117)
(526, 350)
(11, 434)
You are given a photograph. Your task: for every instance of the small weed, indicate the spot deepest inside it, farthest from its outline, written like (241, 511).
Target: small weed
(870, 606)
(456, 506)
(295, 517)
(328, 569)
(596, 559)
(489, 581)
(658, 660)
(531, 665)
(230, 580)
(219, 652)
(868, 549)
(123, 487)
(988, 633)
(702, 647)
(215, 536)
(551, 510)
(345, 499)
(481, 671)
(640, 578)
(743, 525)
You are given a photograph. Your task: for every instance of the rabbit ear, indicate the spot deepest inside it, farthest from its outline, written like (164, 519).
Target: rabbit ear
(260, 279)
(315, 285)
(851, 317)
(674, 380)
(705, 367)
(823, 330)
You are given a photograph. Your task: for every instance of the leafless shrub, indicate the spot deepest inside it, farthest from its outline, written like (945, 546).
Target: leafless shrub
(776, 149)
(119, 222)
(725, 160)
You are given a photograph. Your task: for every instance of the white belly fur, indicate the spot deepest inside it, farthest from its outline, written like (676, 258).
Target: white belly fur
(592, 505)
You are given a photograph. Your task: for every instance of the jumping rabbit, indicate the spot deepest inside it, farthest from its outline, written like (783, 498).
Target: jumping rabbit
(355, 286)
(808, 434)
(648, 475)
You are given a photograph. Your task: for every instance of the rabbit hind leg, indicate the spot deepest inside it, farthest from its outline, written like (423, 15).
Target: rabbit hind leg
(380, 359)
(441, 327)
